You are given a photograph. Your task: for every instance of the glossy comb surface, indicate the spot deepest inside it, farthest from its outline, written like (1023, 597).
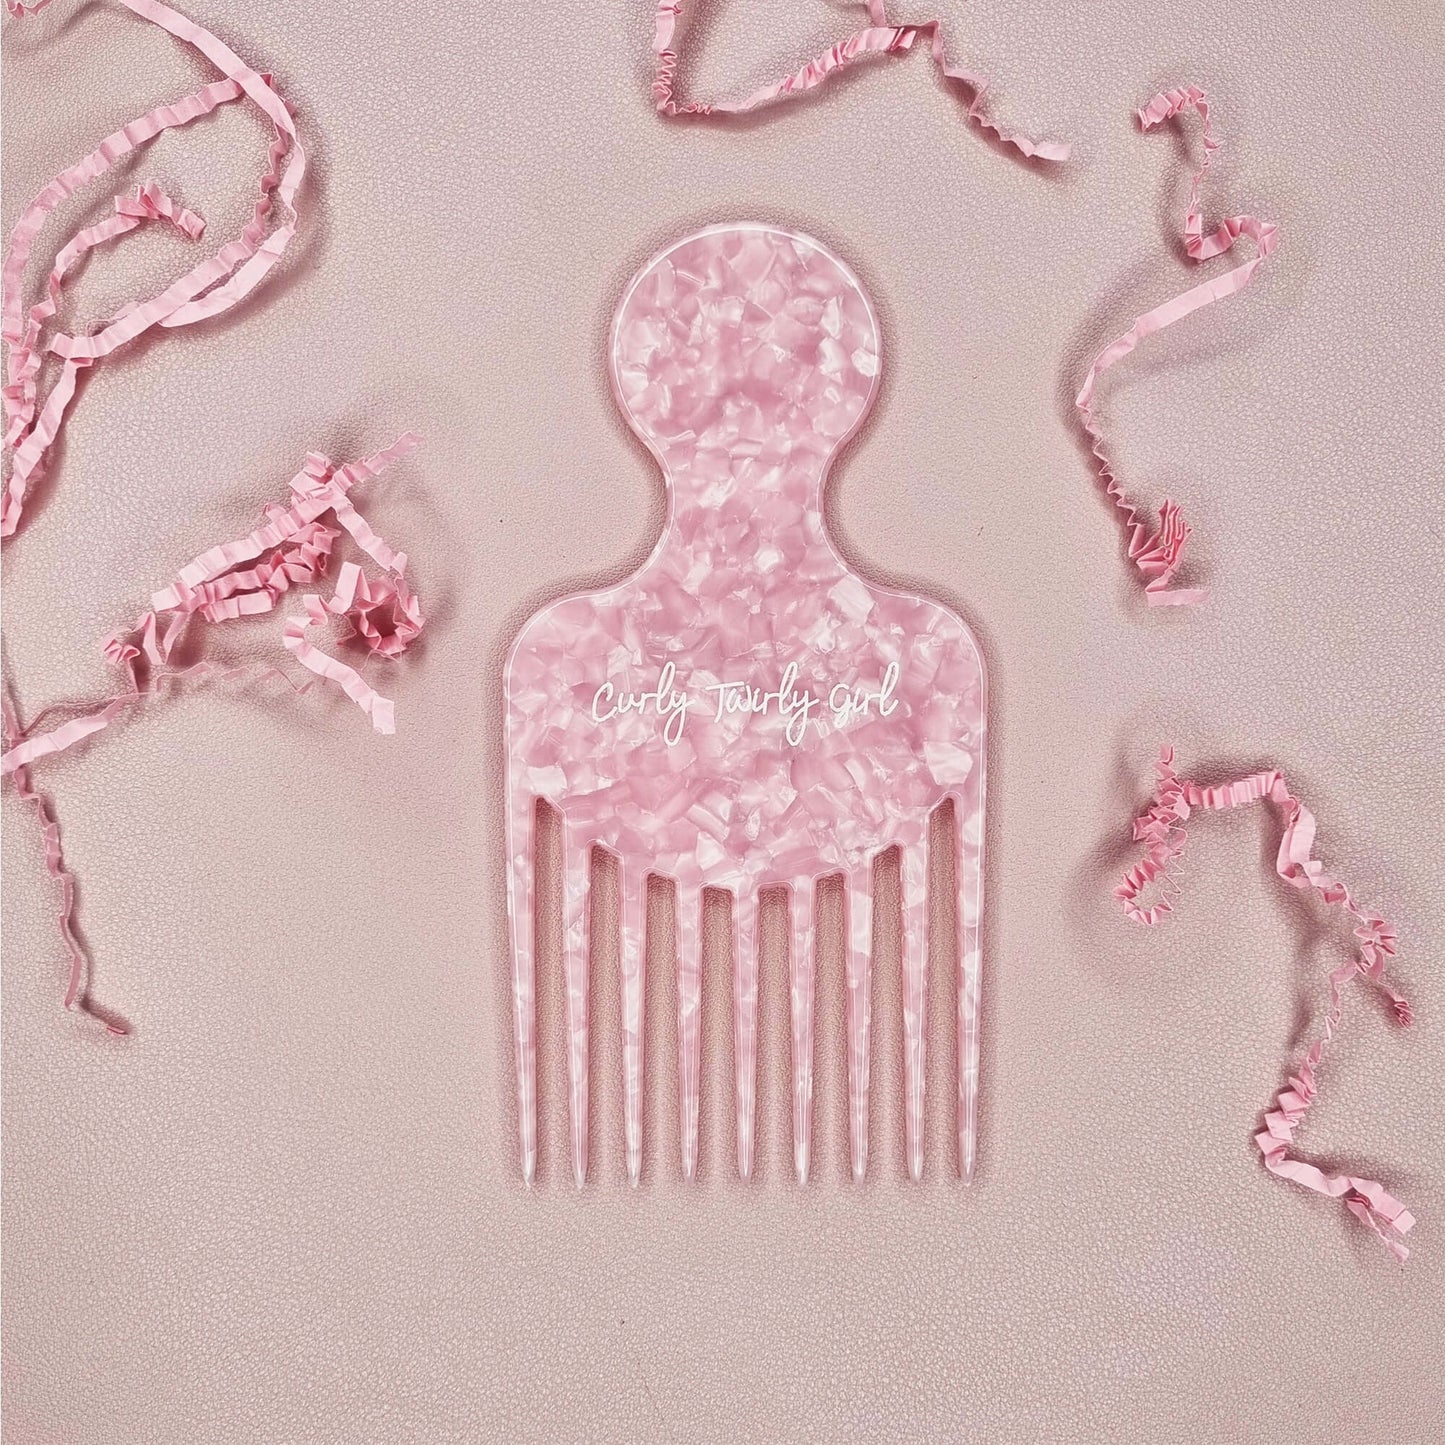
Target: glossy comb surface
(745, 711)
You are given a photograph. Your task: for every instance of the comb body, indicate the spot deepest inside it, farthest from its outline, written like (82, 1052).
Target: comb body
(745, 711)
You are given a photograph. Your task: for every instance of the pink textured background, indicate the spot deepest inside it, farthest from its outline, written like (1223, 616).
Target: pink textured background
(288, 1208)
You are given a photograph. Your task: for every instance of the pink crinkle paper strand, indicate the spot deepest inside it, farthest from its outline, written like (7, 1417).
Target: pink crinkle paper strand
(1161, 827)
(76, 992)
(292, 549)
(1157, 554)
(22, 749)
(32, 425)
(248, 577)
(245, 578)
(878, 38)
(208, 289)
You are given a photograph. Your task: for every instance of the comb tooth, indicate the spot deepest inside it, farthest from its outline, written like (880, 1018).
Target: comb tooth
(914, 880)
(745, 1030)
(521, 906)
(633, 954)
(969, 875)
(859, 903)
(801, 991)
(577, 919)
(689, 1032)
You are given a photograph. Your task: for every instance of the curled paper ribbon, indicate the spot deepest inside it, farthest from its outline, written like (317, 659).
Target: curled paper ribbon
(22, 750)
(38, 741)
(244, 578)
(383, 613)
(1157, 554)
(207, 290)
(239, 579)
(248, 577)
(878, 38)
(1161, 827)
(75, 989)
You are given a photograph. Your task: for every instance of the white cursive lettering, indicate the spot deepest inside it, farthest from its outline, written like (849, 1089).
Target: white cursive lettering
(795, 706)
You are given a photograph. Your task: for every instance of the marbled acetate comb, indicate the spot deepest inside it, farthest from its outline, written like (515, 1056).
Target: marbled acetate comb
(745, 711)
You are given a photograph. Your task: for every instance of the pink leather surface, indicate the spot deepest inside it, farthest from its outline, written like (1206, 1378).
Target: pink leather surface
(288, 1209)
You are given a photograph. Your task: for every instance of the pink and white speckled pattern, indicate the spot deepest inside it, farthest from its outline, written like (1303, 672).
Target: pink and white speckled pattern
(745, 711)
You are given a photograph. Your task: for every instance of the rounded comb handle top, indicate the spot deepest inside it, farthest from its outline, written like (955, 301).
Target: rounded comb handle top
(744, 343)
